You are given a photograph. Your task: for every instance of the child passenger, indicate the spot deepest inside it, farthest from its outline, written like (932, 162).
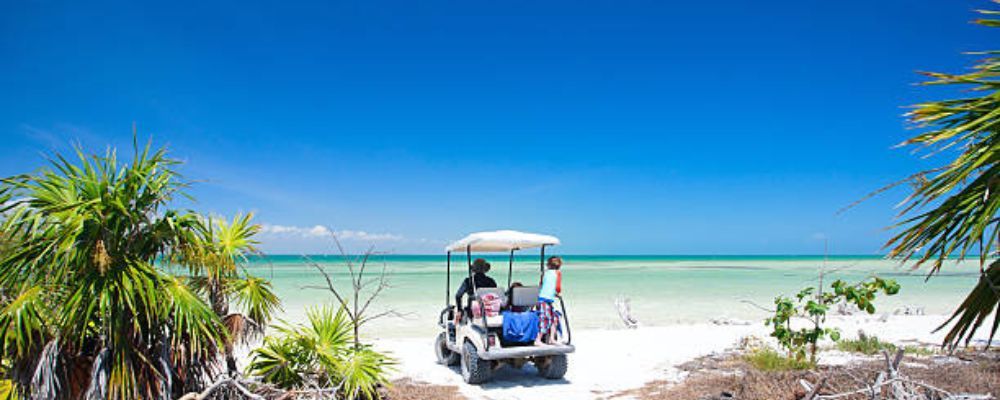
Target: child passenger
(551, 288)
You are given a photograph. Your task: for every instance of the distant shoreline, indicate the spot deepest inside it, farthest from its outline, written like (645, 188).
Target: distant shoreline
(818, 257)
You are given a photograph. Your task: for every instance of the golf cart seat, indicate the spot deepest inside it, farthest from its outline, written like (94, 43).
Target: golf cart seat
(482, 292)
(523, 296)
(492, 321)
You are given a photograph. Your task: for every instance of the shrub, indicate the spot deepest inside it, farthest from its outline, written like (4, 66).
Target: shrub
(812, 306)
(920, 351)
(767, 359)
(322, 353)
(865, 344)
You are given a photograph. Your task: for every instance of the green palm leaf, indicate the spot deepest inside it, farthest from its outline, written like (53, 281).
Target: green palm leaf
(329, 333)
(953, 209)
(7, 390)
(22, 323)
(363, 372)
(203, 333)
(280, 361)
(976, 308)
(256, 296)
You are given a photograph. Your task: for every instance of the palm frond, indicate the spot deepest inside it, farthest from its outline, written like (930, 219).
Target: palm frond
(329, 332)
(22, 324)
(363, 372)
(202, 332)
(256, 297)
(241, 329)
(7, 390)
(976, 308)
(952, 212)
(280, 361)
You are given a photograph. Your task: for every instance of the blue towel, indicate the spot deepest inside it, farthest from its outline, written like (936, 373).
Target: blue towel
(520, 327)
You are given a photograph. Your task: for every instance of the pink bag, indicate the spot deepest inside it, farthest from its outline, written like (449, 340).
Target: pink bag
(491, 303)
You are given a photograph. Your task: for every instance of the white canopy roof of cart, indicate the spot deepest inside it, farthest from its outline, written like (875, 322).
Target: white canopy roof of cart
(502, 241)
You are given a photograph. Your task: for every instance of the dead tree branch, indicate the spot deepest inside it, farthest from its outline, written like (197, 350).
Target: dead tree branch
(356, 304)
(891, 384)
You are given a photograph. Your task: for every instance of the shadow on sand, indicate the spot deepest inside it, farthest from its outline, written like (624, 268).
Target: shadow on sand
(508, 377)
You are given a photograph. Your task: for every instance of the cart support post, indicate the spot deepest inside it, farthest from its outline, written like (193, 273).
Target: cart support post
(569, 334)
(541, 264)
(468, 256)
(447, 285)
(510, 267)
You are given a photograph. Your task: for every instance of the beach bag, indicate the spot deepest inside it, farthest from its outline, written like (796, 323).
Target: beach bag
(490, 303)
(520, 327)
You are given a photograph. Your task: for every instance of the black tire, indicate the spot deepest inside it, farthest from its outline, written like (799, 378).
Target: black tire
(553, 367)
(444, 355)
(474, 369)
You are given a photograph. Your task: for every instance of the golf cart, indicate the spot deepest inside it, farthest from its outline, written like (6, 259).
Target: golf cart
(477, 341)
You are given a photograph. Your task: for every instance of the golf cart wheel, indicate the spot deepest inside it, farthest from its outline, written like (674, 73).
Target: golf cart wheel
(553, 367)
(474, 369)
(444, 355)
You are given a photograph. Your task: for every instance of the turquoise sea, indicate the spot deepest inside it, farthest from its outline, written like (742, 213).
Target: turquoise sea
(663, 289)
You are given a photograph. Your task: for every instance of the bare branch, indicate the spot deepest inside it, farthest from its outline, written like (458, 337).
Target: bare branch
(387, 313)
(329, 281)
(383, 284)
(224, 382)
(750, 302)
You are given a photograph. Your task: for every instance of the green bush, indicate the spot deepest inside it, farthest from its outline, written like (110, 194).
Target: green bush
(871, 345)
(321, 352)
(865, 344)
(920, 351)
(811, 304)
(767, 359)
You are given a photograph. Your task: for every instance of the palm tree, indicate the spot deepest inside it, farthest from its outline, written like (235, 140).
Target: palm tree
(953, 208)
(84, 310)
(216, 257)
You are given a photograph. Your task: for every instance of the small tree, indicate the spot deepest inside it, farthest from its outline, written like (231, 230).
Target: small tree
(364, 289)
(216, 253)
(326, 354)
(812, 304)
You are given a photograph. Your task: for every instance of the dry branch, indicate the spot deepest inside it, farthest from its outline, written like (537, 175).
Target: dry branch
(893, 385)
(357, 302)
(624, 306)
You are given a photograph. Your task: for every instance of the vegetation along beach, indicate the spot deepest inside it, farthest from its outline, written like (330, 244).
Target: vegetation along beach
(500, 200)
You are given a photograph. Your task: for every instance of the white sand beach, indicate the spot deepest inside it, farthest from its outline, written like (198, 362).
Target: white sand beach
(609, 361)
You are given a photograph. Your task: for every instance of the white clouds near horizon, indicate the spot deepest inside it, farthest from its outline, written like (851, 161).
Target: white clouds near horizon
(282, 239)
(320, 231)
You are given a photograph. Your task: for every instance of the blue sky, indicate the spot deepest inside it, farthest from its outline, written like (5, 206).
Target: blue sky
(650, 127)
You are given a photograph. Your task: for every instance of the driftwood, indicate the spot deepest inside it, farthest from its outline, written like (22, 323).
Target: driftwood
(225, 382)
(247, 389)
(624, 306)
(890, 385)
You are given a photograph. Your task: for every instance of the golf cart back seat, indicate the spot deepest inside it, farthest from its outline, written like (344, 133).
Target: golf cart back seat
(495, 321)
(523, 296)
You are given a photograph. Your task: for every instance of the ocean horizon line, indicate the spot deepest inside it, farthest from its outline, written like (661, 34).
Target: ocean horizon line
(526, 255)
